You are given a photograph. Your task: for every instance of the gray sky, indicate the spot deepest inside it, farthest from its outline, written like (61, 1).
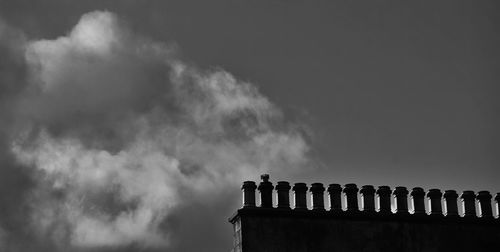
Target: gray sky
(382, 93)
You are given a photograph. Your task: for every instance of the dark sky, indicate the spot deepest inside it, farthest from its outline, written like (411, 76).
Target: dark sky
(385, 93)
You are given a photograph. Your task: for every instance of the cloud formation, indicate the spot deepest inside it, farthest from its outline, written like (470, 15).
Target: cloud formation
(124, 141)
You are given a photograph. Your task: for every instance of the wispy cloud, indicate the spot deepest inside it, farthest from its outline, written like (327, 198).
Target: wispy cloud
(120, 135)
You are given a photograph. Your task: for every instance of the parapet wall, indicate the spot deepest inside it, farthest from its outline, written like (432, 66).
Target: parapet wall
(280, 227)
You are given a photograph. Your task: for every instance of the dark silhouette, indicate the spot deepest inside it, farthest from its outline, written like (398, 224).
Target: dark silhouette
(281, 228)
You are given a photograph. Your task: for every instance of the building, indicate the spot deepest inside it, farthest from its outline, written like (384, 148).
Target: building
(276, 228)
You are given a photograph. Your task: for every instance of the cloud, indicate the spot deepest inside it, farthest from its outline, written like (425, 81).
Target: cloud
(123, 140)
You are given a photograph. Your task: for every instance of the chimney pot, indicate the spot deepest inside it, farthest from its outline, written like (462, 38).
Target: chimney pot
(300, 190)
(469, 202)
(351, 192)
(451, 197)
(264, 177)
(368, 193)
(435, 196)
(335, 193)
(248, 188)
(317, 190)
(283, 189)
(266, 192)
(401, 194)
(497, 199)
(484, 198)
(418, 195)
(384, 197)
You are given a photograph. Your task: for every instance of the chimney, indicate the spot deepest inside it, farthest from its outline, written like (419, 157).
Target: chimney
(450, 196)
(266, 192)
(401, 194)
(497, 199)
(335, 193)
(384, 198)
(418, 195)
(317, 190)
(368, 193)
(351, 192)
(283, 189)
(248, 188)
(435, 196)
(484, 198)
(469, 202)
(300, 190)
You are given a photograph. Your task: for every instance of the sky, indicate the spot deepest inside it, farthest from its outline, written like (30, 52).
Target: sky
(129, 125)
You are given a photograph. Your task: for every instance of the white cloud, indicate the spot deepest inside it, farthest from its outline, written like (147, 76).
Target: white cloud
(123, 133)
(92, 39)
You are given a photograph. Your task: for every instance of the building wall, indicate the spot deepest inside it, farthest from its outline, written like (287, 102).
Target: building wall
(288, 231)
(277, 227)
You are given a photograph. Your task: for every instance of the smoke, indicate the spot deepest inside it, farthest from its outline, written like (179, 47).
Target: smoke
(127, 146)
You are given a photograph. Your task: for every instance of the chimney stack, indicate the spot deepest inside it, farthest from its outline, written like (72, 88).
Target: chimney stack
(367, 193)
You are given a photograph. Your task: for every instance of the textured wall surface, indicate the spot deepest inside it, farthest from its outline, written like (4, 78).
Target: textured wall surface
(273, 230)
